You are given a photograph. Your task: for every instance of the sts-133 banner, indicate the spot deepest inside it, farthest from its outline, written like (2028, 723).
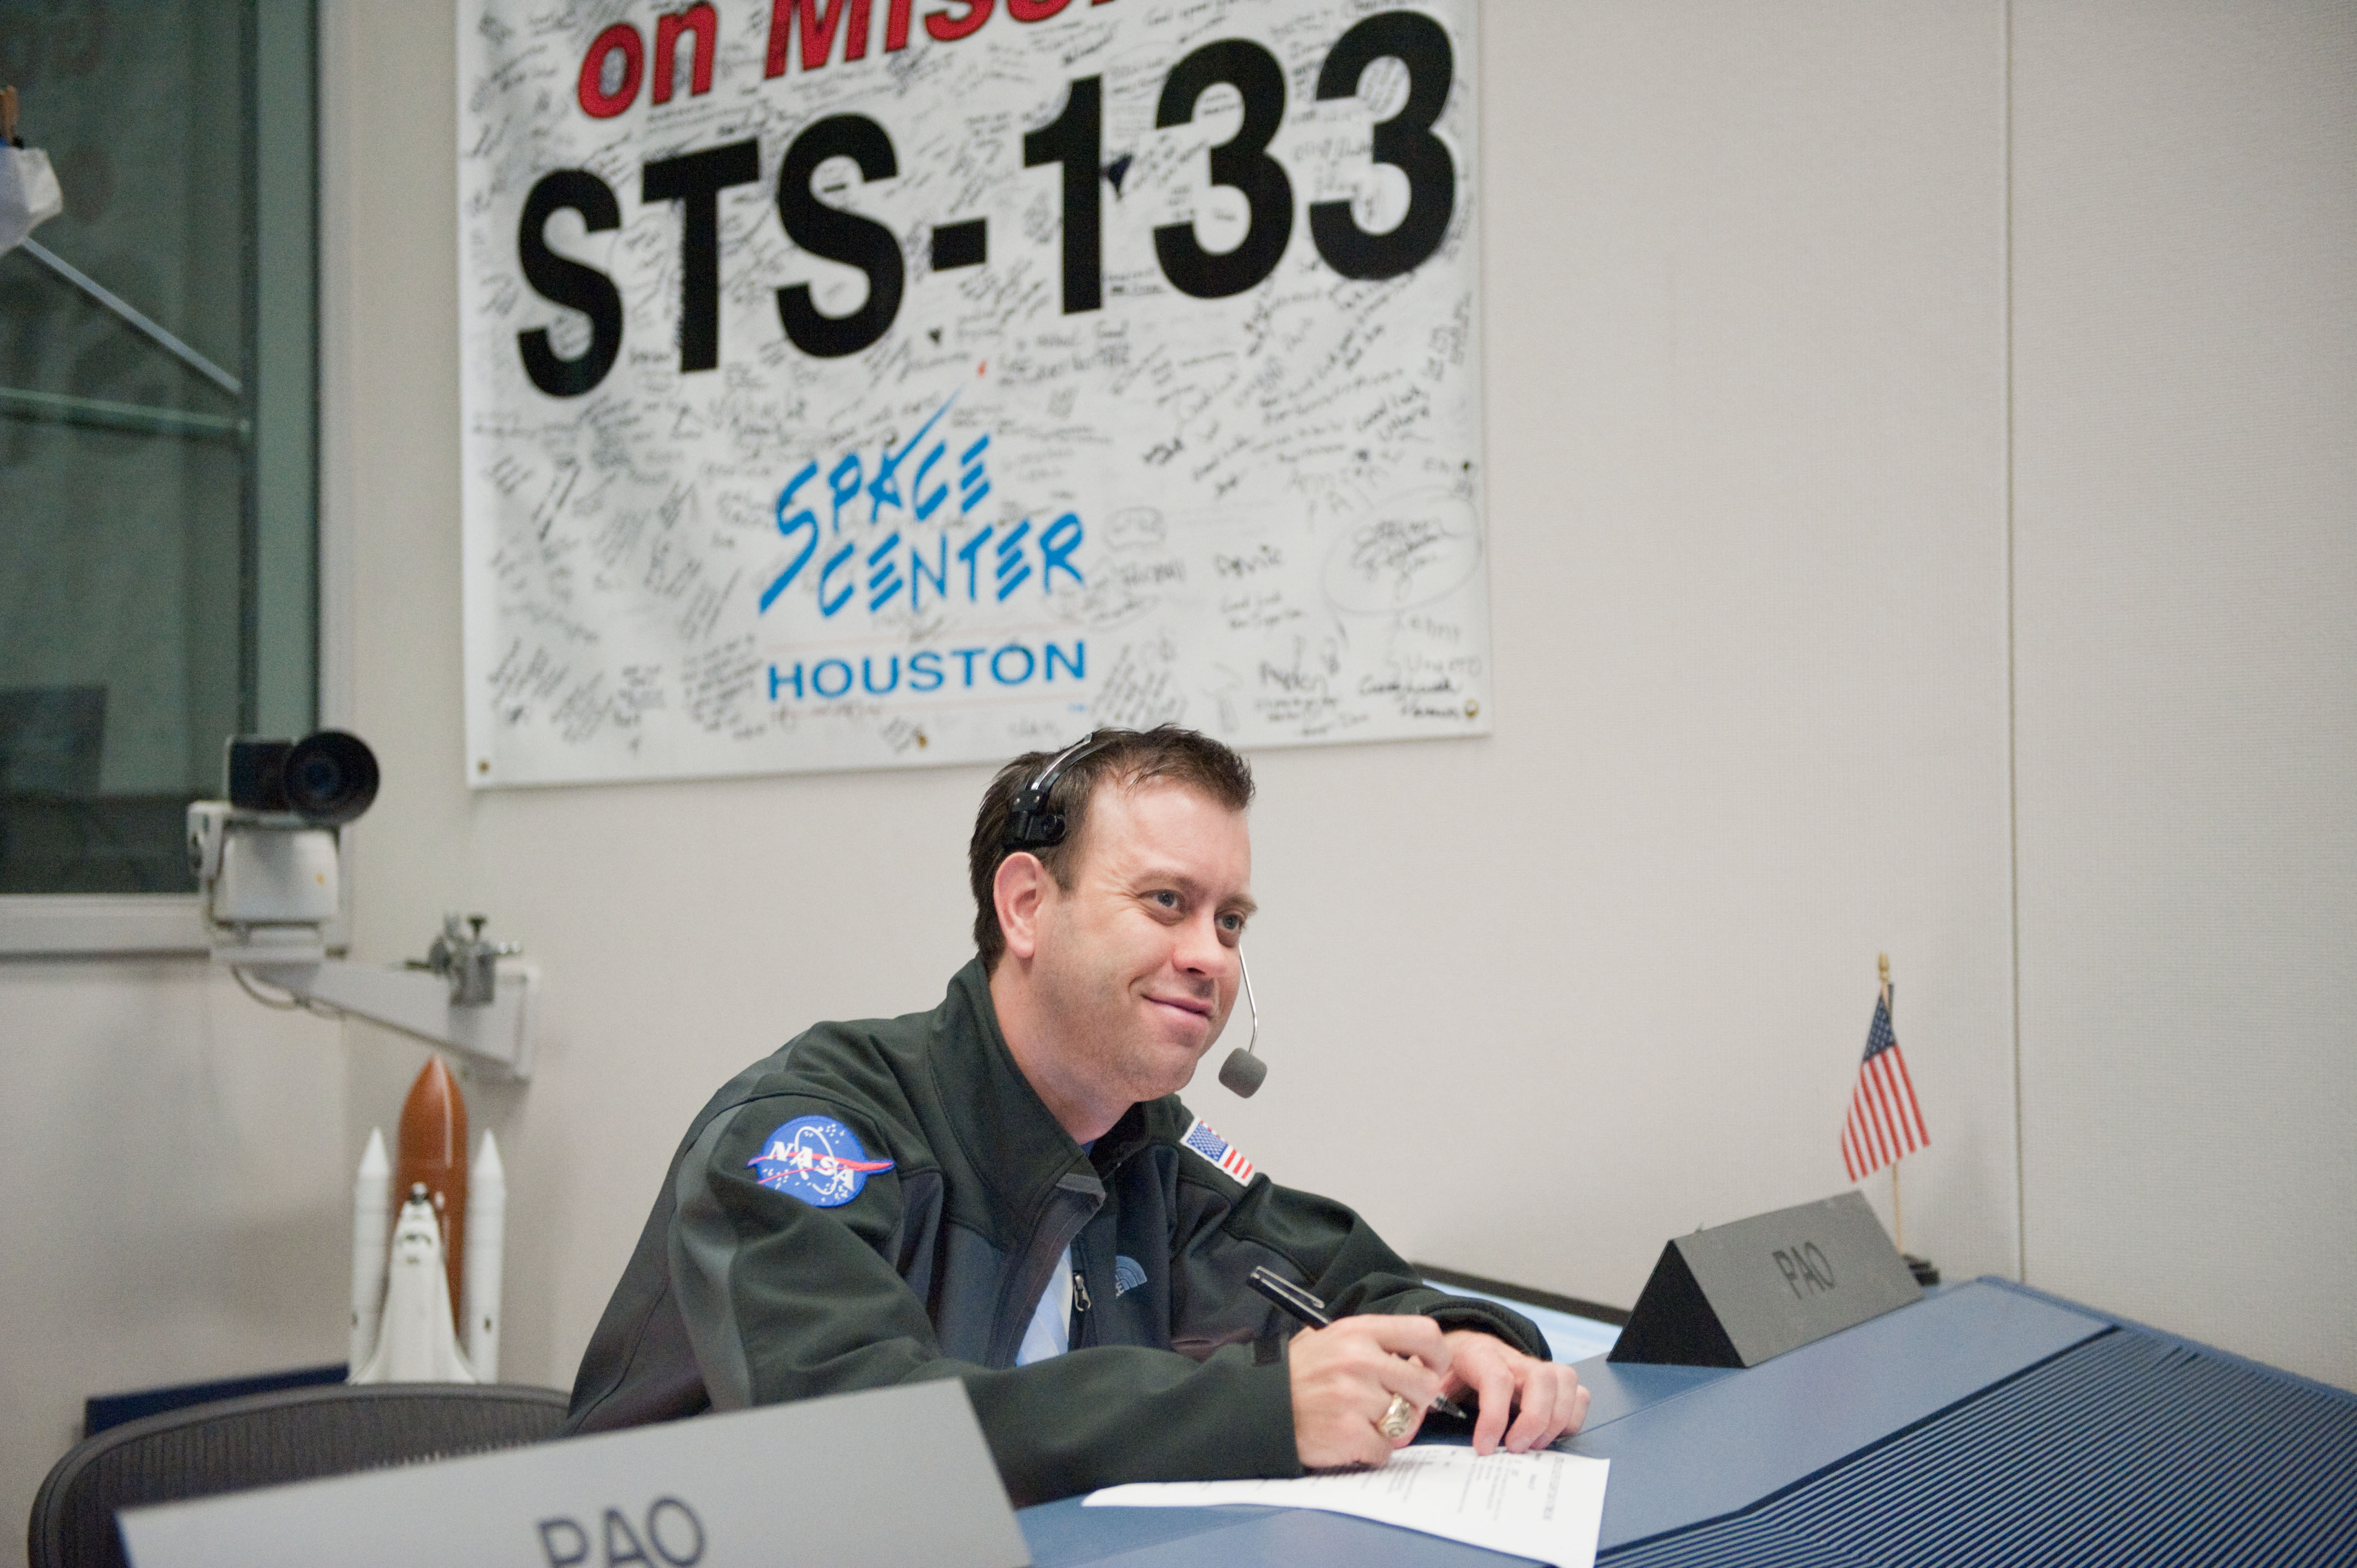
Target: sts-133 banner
(855, 384)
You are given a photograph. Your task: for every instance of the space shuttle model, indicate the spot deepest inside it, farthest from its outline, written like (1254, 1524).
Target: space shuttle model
(441, 1246)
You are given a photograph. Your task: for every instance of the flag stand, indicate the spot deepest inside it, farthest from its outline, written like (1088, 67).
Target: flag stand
(1898, 1213)
(1926, 1271)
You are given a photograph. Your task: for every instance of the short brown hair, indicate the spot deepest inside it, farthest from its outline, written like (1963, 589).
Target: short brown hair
(1129, 757)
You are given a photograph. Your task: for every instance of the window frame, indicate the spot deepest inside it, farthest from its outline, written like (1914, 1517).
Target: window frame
(282, 627)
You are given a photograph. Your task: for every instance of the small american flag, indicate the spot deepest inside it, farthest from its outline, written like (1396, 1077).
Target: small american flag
(1217, 1150)
(1884, 1123)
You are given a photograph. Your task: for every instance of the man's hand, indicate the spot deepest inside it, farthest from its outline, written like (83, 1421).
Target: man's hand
(1345, 1377)
(1550, 1400)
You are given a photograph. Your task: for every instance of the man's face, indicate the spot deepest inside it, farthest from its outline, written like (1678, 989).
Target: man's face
(1137, 959)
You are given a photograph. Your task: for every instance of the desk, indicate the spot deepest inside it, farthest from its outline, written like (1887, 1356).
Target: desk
(1987, 1423)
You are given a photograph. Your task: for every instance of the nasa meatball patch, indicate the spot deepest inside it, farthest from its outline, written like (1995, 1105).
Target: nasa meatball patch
(816, 1159)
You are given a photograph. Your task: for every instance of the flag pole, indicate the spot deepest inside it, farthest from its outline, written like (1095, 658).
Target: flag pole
(1898, 1213)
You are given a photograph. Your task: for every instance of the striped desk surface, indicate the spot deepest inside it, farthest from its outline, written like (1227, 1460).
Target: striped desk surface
(1988, 1423)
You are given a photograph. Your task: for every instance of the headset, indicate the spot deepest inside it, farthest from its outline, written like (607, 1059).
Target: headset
(1032, 825)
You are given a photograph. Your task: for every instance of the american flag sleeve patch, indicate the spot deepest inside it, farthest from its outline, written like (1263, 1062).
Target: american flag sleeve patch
(1217, 1150)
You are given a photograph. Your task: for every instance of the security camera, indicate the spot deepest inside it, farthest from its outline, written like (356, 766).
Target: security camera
(266, 857)
(266, 861)
(328, 779)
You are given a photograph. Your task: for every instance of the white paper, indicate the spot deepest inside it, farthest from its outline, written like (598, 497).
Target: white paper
(1546, 1506)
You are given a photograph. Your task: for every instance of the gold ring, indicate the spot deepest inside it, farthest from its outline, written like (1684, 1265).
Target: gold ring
(1398, 1416)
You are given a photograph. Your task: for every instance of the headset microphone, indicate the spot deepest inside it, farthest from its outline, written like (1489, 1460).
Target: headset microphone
(1241, 1073)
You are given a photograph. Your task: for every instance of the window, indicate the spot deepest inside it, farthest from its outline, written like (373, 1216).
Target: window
(159, 476)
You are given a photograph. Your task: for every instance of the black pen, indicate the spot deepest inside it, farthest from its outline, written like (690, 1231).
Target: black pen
(1311, 1310)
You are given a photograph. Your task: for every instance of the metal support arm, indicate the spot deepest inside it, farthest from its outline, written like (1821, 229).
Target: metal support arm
(497, 1033)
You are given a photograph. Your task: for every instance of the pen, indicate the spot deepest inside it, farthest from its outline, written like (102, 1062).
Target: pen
(1311, 1310)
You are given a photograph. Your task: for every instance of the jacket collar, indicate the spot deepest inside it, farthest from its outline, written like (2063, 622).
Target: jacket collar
(1126, 1136)
(1007, 1133)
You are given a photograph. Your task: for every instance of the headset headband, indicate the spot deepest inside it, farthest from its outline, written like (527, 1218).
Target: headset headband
(1031, 825)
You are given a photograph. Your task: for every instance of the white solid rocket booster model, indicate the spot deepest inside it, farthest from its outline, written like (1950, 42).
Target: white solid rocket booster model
(487, 1211)
(372, 1217)
(404, 1327)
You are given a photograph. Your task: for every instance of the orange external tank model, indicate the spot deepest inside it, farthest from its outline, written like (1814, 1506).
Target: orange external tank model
(432, 1151)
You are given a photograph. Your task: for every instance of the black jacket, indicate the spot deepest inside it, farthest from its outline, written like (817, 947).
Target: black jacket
(739, 1294)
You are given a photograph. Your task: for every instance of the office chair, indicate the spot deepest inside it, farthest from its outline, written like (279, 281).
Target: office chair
(291, 1434)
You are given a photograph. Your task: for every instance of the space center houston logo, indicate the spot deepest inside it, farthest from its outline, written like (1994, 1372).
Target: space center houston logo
(816, 1159)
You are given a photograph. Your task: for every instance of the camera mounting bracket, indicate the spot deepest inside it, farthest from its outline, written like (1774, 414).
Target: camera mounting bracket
(496, 1034)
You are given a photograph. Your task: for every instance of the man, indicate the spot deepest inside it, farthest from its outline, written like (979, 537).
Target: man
(1006, 1190)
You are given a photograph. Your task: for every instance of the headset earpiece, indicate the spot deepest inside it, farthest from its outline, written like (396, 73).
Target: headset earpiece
(1030, 824)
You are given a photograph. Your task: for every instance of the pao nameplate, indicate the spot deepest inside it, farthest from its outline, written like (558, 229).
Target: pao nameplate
(1736, 1294)
(892, 1477)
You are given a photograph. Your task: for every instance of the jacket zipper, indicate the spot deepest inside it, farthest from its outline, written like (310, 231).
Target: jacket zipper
(1060, 1228)
(1080, 1301)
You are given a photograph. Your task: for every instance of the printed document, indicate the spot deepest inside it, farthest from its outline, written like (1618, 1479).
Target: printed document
(1545, 1505)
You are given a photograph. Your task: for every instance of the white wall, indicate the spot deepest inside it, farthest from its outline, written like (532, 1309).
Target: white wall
(169, 1155)
(1538, 1001)
(2185, 462)
(1792, 315)
(1744, 376)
